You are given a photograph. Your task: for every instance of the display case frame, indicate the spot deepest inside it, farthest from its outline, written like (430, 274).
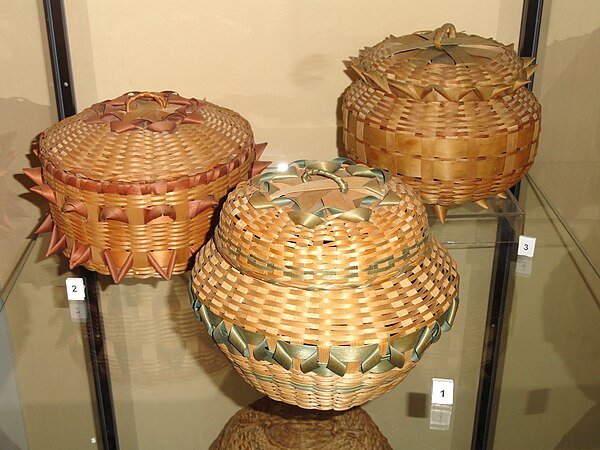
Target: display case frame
(498, 302)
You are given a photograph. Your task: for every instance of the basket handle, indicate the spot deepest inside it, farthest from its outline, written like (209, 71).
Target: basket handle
(440, 32)
(308, 173)
(157, 97)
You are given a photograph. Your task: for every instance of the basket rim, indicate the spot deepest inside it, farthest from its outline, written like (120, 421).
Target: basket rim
(150, 187)
(210, 256)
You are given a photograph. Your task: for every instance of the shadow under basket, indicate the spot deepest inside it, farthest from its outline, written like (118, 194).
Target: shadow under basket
(151, 337)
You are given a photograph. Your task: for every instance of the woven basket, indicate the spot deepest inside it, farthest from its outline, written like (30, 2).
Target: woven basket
(447, 112)
(269, 425)
(133, 182)
(322, 284)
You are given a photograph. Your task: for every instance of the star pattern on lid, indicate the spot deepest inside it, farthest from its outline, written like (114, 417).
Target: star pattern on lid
(312, 192)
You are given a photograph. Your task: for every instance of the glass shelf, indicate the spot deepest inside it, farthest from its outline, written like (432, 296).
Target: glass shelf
(173, 388)
(470, 225)
(170, 387)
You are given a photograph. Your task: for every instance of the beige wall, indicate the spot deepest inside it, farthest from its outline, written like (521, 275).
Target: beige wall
(567, 168)
(550, 396)
(26, 108)
(277, 62)
(12, 427)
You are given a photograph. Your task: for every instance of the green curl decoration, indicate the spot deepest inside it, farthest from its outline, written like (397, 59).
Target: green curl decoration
(238, 342)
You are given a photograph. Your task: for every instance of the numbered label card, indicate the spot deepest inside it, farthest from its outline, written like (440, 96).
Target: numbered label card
(440, 417)
(78, 310)
(526, 246)
(523, 266)
(75, 289)
(442, 391)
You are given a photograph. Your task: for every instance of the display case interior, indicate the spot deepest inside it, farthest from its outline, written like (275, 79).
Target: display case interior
(132, 368)
(171, 386)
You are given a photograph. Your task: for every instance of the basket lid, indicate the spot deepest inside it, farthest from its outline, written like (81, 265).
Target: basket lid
(443, 65)
(323, 225)
(326, 253)
(145, 137)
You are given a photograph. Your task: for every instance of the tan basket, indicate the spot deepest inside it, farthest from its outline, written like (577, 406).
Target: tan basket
(447, 112)
(322, 284)
(269, 425)
(133, 182)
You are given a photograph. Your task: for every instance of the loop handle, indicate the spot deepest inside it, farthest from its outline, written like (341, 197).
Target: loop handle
(308, 173)
(446, 29)
(157, 97)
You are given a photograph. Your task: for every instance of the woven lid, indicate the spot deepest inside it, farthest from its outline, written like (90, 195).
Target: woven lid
(443, 65)
(144, 138)
(328, 252)
(323, 225)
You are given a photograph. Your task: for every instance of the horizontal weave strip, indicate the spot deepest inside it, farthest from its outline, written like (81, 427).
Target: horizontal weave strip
(363, 316)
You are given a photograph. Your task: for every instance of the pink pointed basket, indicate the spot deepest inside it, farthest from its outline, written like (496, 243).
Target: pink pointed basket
(133, 182)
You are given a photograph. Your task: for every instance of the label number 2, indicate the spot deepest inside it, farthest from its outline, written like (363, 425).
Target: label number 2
(75, 289)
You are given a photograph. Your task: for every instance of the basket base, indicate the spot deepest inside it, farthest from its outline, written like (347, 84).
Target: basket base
(311, 391)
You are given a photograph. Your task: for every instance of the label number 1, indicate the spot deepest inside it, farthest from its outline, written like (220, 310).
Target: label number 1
(442, 391)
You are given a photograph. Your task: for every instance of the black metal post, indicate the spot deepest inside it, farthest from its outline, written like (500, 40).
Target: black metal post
(65, 102)
(531, 22)
(492, 360)
(99, 362)
(59, 56)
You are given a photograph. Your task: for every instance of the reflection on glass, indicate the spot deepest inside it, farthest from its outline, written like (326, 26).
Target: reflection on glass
(269, 425)
(152, 335)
